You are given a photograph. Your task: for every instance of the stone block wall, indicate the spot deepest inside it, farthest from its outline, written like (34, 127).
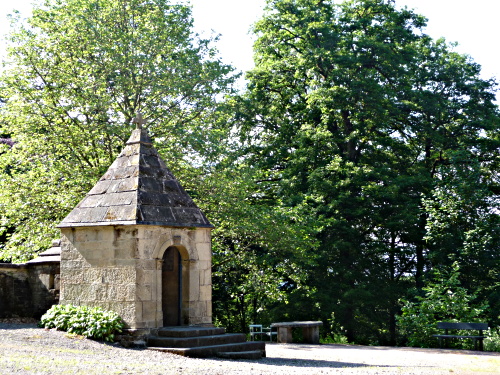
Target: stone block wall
(119, 268)
(28, 290)
(91, 275)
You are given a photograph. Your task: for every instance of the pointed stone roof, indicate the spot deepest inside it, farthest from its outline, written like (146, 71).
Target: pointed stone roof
(137, 189)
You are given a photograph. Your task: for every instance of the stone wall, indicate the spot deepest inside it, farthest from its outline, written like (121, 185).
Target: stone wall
(28, 290)
(119, 268)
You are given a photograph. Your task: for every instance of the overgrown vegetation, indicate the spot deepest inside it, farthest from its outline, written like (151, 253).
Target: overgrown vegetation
(91, 322)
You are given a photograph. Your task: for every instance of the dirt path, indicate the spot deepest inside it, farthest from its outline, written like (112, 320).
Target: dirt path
(25, 349)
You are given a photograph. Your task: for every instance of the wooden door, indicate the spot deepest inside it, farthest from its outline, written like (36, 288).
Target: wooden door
(172, 287)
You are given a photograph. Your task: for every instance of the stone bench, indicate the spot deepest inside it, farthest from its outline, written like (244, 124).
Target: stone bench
(310, 331)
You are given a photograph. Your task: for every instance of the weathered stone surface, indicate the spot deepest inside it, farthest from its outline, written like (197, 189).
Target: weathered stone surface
(114, 242)
(137, 189)
(144, 292)
(204, 251)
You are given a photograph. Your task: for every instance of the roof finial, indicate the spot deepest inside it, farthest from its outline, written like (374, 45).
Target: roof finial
(138, 120)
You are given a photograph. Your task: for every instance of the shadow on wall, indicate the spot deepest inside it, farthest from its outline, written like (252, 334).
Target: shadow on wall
(29, 289)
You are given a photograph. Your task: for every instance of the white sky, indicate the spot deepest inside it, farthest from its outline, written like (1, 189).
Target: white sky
(473, 24)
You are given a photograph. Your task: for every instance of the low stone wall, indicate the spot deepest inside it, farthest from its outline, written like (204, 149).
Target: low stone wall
(28, 290)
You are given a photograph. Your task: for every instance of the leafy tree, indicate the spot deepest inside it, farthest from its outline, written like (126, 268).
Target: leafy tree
(259, 248)
(463, 227)
(77, 73)
(354, 115)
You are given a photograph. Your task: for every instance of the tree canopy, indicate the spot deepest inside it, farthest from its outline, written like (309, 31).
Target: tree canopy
(77, 73)
(387, 137)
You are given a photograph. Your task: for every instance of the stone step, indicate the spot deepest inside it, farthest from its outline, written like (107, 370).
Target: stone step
(191, 342)
(214, 350)
(177, 331)
(251, 354)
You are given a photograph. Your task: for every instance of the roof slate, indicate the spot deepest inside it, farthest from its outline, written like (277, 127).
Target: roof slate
(137, 189)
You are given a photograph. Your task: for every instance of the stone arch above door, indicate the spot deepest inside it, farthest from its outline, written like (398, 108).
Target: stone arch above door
(188, 251)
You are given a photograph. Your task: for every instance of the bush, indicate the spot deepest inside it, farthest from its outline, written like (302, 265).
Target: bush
(92, 322)
(492, 342)
(444, 300)
(336, 334)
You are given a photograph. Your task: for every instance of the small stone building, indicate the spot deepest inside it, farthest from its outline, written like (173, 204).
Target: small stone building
(28, 290)
(137, 244)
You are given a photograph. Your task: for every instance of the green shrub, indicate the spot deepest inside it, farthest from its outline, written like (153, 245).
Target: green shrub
(92, 322)
(492, 342)
(336, 333)
(444, 300)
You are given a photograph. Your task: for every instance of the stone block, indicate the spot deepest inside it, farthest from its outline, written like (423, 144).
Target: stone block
(125, 233)
(153, 233)
(124, 263)
(145, 276)
(93, 274)
(209, 309)
(105, 234)
(125, 249)
(134, 159)
(147, 264)
(145, 249)
(204, 265)
(67, 237)
(74, 276)
(65, 267)
(70, 291)
(127, 311)
(85, 235)
(200, 309)
(205, 293)
(207, 278)
(114, 294)
(120, 275)
(72, 254)
(148, 311)
(200, 235)
(204, 251)
(144, 292)
(131, 292)
(194, 285)
(95, 250)
(75, 264)
(179, 232)
(118, 293)
(103, 262)
(88, 293)
(100, 291)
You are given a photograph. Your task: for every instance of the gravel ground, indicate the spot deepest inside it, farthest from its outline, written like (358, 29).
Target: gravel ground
(26, 349)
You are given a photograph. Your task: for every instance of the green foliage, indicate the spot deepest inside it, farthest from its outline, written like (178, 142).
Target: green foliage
(492, 341)
(463, 226)
(358, 119)
(335, 334)
(77, 73)
(258, 247)
(92, 322)
(444, 300)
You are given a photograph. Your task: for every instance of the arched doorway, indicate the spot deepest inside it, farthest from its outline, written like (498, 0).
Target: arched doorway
(172, 287)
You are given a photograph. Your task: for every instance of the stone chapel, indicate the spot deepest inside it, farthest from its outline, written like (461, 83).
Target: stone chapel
(137, 244)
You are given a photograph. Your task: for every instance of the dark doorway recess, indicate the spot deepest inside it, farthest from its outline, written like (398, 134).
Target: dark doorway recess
(172, 287)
